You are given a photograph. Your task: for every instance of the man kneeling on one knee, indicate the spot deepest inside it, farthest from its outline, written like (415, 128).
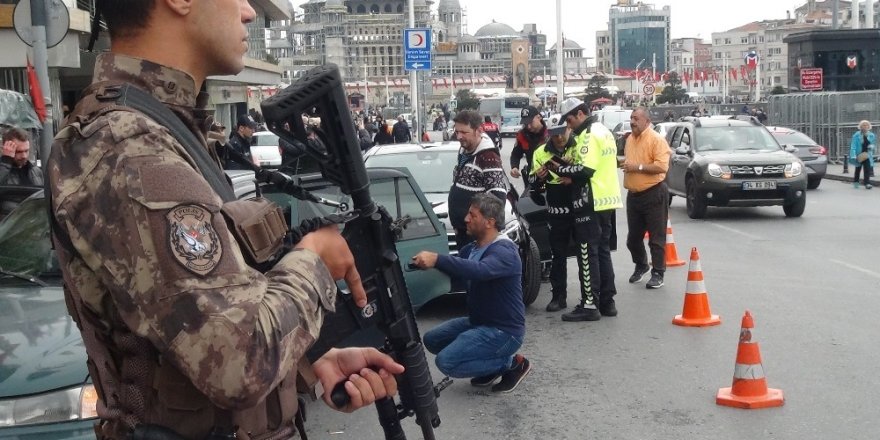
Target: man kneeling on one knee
(483, 345)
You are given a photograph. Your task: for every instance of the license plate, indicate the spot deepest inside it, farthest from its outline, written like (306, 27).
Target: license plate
(751, 186)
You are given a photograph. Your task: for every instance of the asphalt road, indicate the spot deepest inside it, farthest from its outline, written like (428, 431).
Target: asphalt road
(811, 284)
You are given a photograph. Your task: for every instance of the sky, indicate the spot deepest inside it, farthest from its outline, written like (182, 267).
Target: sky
(582, 18)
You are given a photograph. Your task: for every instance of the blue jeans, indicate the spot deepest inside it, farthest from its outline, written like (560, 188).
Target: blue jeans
(465, 350)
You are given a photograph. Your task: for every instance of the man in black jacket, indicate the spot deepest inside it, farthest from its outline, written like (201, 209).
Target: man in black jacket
(15, 165)
(400, 132)
(240, 142)
(528, 139)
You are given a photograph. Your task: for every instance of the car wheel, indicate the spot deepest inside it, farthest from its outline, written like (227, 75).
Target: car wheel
(696, 207)
(814, 183)
(795, 209)
(531, 267)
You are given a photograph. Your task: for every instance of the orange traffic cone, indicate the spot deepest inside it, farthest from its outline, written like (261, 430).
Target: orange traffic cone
(749, 388)
(696, 311)
(671, 254)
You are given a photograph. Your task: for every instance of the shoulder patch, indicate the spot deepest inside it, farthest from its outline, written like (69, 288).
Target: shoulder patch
(193, 240)
(585, 149)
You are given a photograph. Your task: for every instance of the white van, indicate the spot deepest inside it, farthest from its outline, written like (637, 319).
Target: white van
(611, 117)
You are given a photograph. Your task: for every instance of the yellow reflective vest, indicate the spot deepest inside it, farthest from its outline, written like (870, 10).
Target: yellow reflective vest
(599, 152)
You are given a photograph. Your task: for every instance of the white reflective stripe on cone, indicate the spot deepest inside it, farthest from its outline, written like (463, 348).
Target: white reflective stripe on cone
(747, 371)
(696, 288)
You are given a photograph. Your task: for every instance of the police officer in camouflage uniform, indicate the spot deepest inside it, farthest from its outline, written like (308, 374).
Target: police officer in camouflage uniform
(184, 338)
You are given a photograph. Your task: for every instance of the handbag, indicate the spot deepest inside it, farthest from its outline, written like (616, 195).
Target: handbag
(863, 156)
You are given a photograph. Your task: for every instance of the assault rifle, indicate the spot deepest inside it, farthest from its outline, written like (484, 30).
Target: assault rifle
(371, 238)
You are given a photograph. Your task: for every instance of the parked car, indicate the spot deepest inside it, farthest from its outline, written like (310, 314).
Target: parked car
(400, 194)
(814, 156)
(45, 388)
(431, 165)
(733, 162)
(663, 128)
(45, 391)
(265, 149)
(621, 132)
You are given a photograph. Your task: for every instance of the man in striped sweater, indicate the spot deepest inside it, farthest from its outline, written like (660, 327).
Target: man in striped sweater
(478, 171)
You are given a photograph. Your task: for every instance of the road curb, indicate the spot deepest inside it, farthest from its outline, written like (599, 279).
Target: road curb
(848, 178)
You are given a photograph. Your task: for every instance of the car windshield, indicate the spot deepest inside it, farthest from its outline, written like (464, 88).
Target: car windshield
(735, 138)
(25, 248)
(265, 140)
(793, 138)
(431, 169)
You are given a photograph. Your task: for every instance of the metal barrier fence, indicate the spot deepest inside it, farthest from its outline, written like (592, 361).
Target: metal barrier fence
(830, 118)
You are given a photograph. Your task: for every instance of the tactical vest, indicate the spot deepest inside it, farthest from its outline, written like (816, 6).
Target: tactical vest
(136, 386)
(600, 153)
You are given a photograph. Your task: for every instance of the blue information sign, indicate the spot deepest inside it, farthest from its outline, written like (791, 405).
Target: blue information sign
(417, 49)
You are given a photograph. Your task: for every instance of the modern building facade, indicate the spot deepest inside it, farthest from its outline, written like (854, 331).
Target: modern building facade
(639, 33)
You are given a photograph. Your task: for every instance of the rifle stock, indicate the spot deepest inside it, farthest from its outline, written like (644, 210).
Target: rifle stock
(336, 147)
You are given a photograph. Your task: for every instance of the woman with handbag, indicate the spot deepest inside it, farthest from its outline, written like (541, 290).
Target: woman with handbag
(861, 153)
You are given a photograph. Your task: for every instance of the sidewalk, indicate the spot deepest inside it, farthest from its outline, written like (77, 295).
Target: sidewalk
(835, 172)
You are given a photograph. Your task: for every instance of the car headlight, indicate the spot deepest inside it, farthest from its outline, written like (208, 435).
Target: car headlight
(77, 403)
(793, 169)
(719, 171)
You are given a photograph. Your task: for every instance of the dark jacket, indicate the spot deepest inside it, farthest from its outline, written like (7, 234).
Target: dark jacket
(29, 174)
(494, 297)
(478, 172)
(400, 132)
(526, 144)
(241, 146)
(383, 136)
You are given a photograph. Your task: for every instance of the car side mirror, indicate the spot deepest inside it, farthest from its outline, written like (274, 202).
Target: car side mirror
(790, 148)
(443, 215)
(683, 150)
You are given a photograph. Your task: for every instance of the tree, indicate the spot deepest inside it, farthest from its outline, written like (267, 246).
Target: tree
(467, 100)
(673, 92)
(594, 89)
(778, 90)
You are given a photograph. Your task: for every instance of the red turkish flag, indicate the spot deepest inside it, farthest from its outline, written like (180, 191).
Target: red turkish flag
(732, 73)
(36, 92)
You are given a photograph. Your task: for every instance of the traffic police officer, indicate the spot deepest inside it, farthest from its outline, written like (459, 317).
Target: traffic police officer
(184, 338)
(558, 168)
(596, 143)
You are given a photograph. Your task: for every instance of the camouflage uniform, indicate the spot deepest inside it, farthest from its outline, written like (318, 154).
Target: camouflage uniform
(154, 261)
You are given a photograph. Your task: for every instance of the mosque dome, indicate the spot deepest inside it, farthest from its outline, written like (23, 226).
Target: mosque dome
(495, 29)
(568, 44)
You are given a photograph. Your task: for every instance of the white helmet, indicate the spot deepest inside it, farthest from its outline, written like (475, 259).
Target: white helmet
(568, 105)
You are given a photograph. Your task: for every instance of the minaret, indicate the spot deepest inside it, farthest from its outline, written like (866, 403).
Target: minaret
(450, 15)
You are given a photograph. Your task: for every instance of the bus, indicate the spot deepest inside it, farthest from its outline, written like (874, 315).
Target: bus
(505, 111)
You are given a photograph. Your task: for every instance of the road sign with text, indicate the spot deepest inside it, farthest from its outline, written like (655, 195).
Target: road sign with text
(811, 79)
(417, 49)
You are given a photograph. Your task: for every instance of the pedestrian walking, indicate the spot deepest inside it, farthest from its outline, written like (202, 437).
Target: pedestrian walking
(597, 144)
(492, 130)
(647, 202)
(861, 154)
(483, 345)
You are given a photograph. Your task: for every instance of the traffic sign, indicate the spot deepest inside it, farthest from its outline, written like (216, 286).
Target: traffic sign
(417, 49)
(812, 79)
(648, 89)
